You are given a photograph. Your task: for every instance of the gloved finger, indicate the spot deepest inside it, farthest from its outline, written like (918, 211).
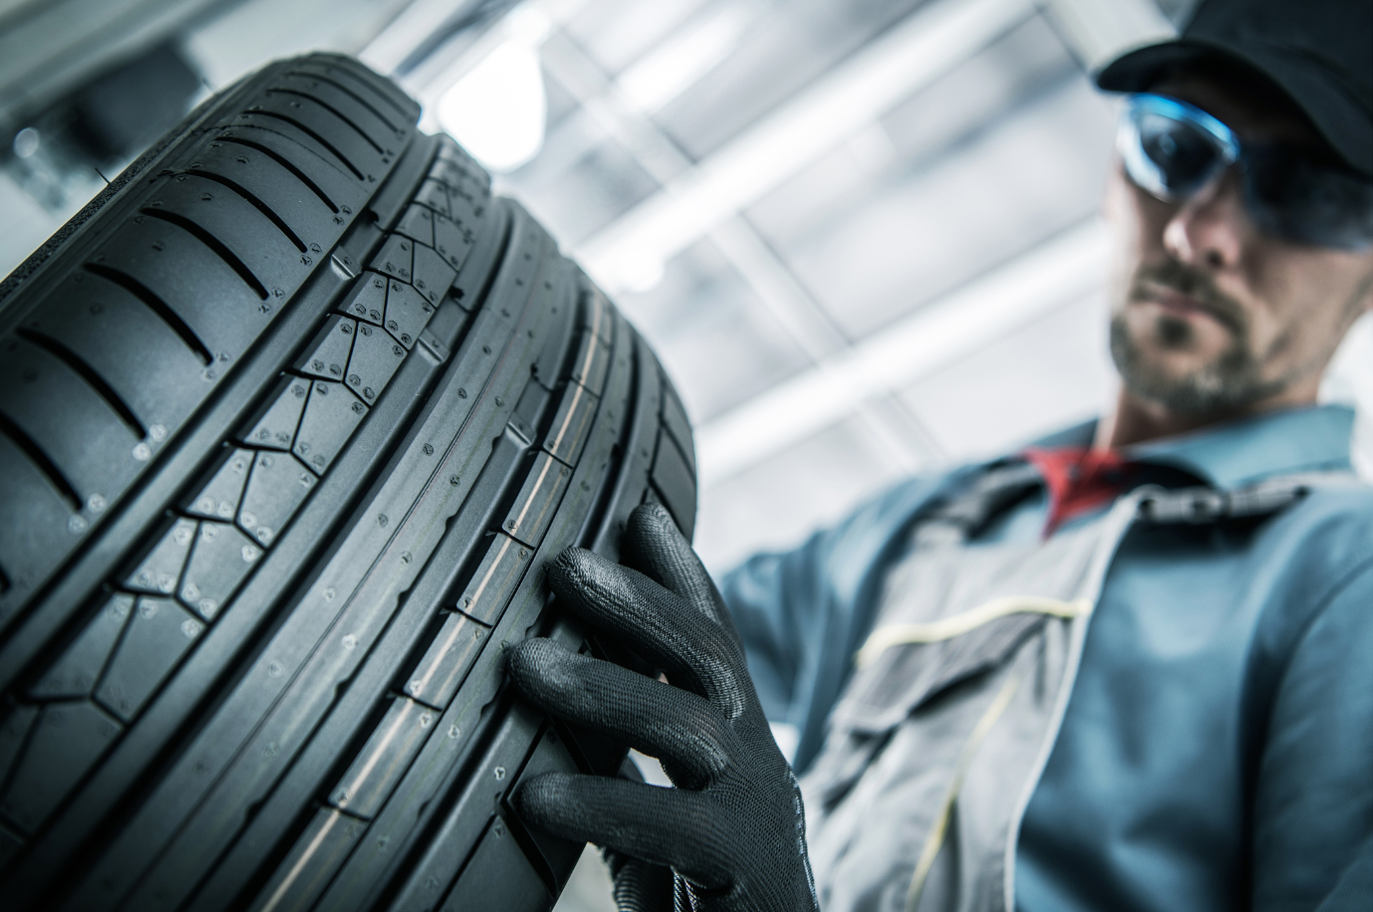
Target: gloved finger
(657, 719)
(696, 652)
(639, 886)
(653, 545)
(662, 826)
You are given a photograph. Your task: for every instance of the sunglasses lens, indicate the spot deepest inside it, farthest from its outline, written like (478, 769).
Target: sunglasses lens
(1172, 150)
(1164, 152)
(1291, 197)
(1183, 155)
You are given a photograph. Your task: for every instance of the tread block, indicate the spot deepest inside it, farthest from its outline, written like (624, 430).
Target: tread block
(277, 427)
(34, 535)
(365, 116)
(592, 362)
(276, 489)
(384, 759)
(433, 276)
(222, 558)
(538, 500)
(348, 145)
(127, 345)
(75, 673)
(498, 876)
(464, 824)
(191, 280)
(447, 661)
(596, 314)
(317, 855)
(331, 416)
(550, 756)
(678, 425)
(418, 225)
(571, 424)
(87, 441)
(407, 312)
(160, 571)
(452, 241)
(287, 194)
(66, 741)
(220, 498)
(382, 92)
(303, 155)
(158, 635)
(376, 358)
(452, 153)
(495, 580)
(395, 258)
(433, 195)
(675, 483)
(368, 299)
(257, 242)
(328, 355)
(14, 731)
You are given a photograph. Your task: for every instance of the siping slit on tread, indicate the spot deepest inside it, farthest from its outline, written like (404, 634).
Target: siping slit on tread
(330, 147)
(322, 560)
(347, 91)
(334, 111)
(156, 305)
(40, 460)
(252, 199)
(87, 373)
(284, 162)
(216, 246)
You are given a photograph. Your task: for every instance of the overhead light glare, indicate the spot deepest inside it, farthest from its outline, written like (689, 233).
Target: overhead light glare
(498, 109)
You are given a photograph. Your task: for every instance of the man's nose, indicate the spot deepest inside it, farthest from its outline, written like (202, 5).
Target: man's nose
(1208, 230)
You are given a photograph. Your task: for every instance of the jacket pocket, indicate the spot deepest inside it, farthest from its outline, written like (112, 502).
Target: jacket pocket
(901, 678)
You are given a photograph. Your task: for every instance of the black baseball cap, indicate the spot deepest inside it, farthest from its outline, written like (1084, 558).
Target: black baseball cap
(1319, 52)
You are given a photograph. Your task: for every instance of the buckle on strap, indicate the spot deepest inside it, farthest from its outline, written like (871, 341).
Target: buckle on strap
(1195, 506)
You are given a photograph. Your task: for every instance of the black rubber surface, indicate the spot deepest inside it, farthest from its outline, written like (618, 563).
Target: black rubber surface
(290, 418)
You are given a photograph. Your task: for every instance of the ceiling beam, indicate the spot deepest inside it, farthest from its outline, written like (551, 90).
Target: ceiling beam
(914, 53)
(1053, 275)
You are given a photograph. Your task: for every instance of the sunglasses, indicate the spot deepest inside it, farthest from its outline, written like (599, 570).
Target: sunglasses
(1173, 150)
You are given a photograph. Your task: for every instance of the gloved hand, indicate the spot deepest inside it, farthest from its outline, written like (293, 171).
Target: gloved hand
(732, 830)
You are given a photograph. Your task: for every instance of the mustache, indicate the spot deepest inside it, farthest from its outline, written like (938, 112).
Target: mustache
(1196, 285)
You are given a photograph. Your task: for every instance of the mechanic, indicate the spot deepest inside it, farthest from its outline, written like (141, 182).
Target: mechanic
(1130, 667)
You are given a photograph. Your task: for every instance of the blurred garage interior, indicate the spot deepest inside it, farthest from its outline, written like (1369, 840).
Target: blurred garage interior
(863, 236)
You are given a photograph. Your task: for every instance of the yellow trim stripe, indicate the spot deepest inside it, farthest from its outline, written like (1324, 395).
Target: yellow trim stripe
(884, 638)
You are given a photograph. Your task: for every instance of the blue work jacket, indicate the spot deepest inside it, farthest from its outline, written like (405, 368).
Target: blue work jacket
(1217, 749)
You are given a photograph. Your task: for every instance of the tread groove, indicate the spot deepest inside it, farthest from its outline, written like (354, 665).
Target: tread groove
(94, 380)
(215, 245)
(156, 305)
(347, 91)
(332, 110)
(382, 94)
(313, 135)
(258, 204)
(41, 461)
(285, 163)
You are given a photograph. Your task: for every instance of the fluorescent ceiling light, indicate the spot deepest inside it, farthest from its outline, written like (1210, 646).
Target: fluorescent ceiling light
(497, 111)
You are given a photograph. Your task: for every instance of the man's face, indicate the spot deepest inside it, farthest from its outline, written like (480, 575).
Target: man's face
(1211, 317)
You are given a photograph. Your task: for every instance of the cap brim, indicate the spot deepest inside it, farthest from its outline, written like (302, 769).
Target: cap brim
(1340, 119)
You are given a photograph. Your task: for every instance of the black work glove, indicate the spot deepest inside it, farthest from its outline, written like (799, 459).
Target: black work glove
(733, 829)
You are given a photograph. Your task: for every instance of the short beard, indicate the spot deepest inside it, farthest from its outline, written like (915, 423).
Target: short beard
(1229, 384)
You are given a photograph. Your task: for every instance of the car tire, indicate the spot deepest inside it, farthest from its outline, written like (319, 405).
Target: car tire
(291, 416)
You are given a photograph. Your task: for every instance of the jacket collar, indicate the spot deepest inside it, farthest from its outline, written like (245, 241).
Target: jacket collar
(1238, 453)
